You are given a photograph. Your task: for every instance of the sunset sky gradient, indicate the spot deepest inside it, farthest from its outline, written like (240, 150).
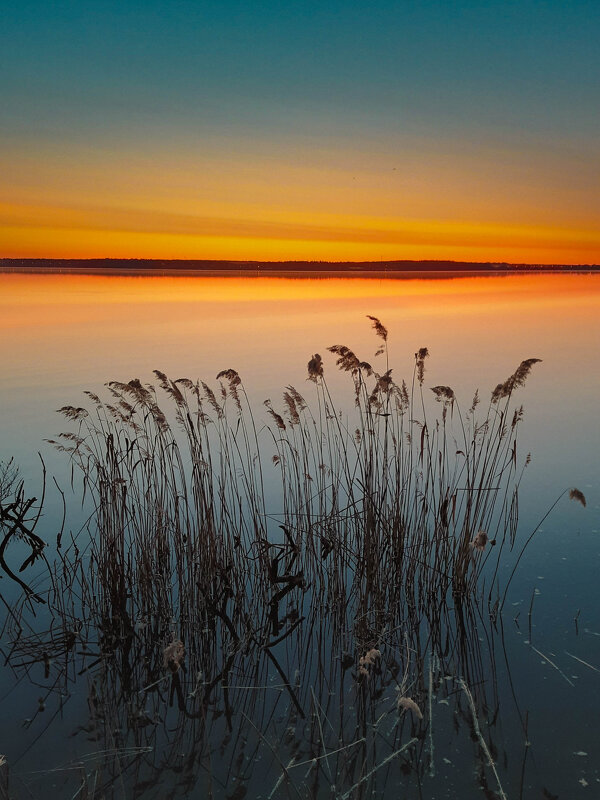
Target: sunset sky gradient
(331, 130)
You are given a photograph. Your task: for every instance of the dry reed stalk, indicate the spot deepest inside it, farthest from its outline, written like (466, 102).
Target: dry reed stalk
(480, 739)
(385, 761)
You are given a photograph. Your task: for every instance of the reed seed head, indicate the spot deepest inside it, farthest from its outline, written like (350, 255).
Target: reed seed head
(517, 379)
(212, 400)
(277, 417)
(298, 399)
(370, 658)
(315, 368)
(347, 360)
(408, 704)
(234, 381)
(291, 408)
(420, 357)
(575, 494)
(443, 394)
(480, 541)
(173, 655)
(378, 327)
(70, 412)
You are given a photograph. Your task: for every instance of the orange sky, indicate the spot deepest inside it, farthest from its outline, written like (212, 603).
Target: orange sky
(253, 206)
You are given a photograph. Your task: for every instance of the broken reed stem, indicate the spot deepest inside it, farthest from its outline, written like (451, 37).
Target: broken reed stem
(310, 761)
(581, 661)
(430, 704)
(385, 761)
(479, 736)
(321, 734)
(284, 770)
(552, 664)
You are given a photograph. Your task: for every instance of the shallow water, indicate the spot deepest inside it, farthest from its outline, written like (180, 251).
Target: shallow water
(66, 333)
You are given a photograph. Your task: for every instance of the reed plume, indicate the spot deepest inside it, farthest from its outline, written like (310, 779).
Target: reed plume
(315, 368)
(575, 494)
(517, 379)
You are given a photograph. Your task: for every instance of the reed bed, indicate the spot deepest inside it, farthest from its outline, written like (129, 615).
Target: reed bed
(378, 499)
(236, 576)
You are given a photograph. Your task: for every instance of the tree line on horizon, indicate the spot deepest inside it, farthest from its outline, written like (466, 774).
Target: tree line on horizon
(216, 264)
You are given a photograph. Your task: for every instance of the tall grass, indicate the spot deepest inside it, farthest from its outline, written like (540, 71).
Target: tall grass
(382, 499)
(327, 545)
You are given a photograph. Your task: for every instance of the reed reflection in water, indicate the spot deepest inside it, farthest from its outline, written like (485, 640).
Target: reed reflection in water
(341, 645)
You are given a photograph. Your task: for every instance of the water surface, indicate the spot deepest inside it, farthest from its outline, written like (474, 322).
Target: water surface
(66, 333)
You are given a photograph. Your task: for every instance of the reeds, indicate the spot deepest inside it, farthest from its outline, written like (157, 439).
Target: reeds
(390, 506)
(325, 548)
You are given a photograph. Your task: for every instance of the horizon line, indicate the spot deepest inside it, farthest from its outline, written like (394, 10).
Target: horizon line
(24, 261)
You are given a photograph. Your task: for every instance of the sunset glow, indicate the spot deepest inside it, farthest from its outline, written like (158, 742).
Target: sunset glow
(87, 234)
(300, 313)
(66, 301)
(207, 132)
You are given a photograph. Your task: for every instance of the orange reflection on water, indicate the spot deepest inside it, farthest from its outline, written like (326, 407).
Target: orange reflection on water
(65, 333)
(71, 289)
(142, 322)
(65, 300)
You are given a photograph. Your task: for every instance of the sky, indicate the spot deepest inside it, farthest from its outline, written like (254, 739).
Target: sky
(301, 130)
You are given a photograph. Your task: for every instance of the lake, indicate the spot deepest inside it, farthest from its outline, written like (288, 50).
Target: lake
(505, 702)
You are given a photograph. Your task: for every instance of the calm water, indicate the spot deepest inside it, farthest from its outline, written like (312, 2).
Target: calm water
(62, 334)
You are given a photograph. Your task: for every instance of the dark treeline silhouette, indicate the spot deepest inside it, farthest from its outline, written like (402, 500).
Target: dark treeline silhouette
(185, 265)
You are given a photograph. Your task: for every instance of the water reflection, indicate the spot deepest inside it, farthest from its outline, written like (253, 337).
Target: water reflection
(84, 682)
(295, 718)
(342, 647)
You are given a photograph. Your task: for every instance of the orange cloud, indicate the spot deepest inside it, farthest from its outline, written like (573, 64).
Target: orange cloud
(316, 205)
(62, 231)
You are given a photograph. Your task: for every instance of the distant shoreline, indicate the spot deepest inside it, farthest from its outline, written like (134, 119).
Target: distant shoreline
(108, 266)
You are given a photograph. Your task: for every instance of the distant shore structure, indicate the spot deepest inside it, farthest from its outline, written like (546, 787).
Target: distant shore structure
(189, 266)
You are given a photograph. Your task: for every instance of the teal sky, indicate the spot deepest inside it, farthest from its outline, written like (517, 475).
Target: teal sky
(468, 67)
